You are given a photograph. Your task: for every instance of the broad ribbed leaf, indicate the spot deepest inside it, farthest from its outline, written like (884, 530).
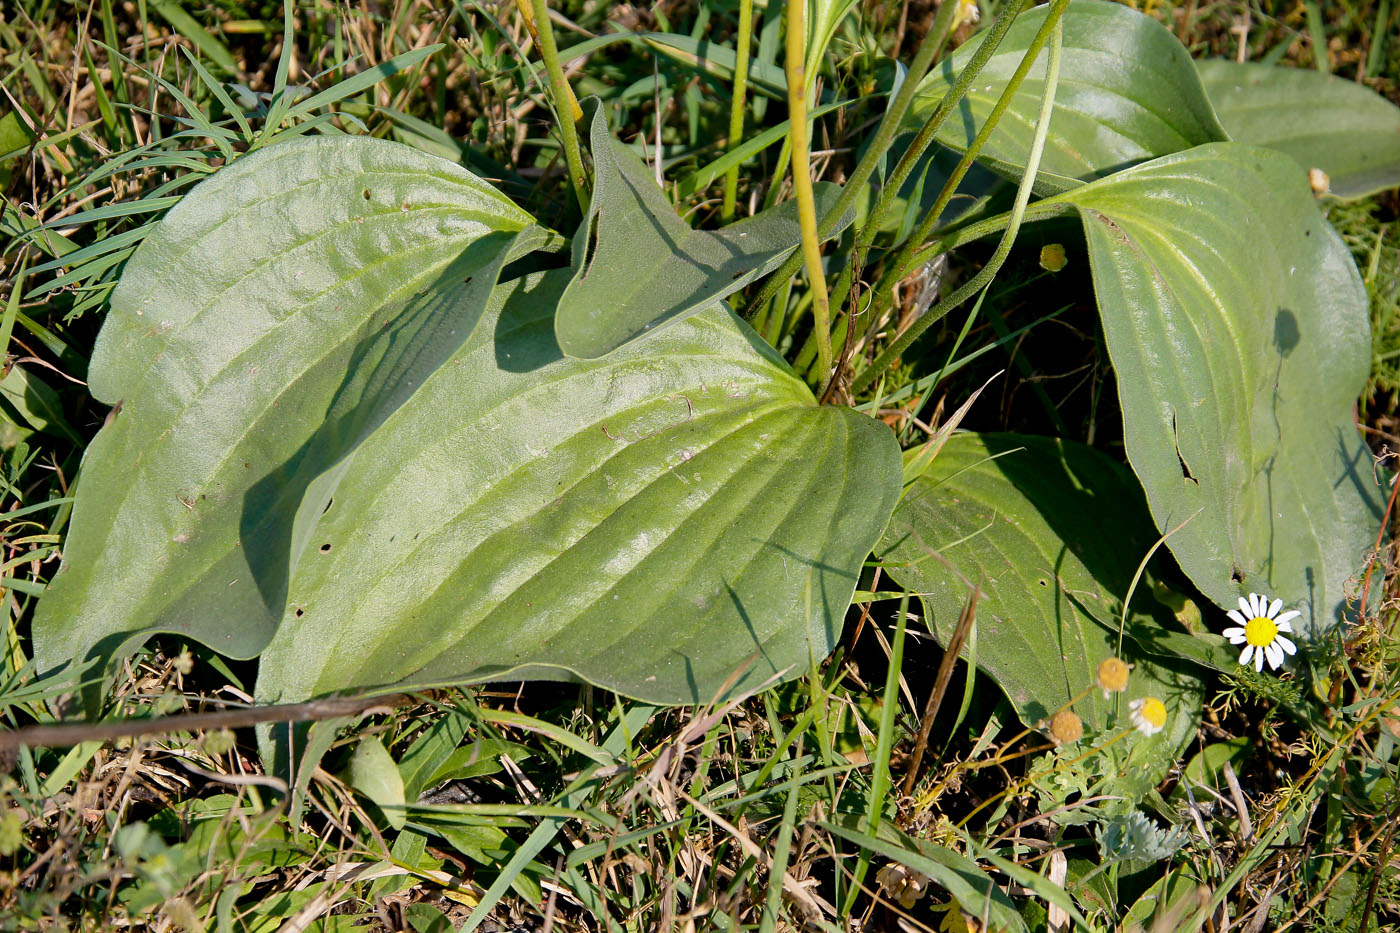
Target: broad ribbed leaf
(1322, 121)
(637, 265)
(1238, 329)
(1053, 532)
(1127, 93)
(271, 320)
(654, 521)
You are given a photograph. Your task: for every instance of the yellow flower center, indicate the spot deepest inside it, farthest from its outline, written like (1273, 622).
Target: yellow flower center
(1154, 711)
(1260, 632)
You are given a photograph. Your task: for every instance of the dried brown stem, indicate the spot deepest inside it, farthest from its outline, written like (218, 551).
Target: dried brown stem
(75, 733)
(940, 687)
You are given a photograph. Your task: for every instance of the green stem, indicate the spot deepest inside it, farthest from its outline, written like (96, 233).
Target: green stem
(1023, 194)
(889, 194)
(884, 743)
(796, 34)
(565, 104)
(1040, 210)
(902, 265)
(884, 135)
(737, 105)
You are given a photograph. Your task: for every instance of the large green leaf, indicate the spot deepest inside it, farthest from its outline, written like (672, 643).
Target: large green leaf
(271, 320)
(637, 265)
(1052, 532)
(652, 521)
(1322, 121)
(320, 455)
(1127, 93)
(1238, 329)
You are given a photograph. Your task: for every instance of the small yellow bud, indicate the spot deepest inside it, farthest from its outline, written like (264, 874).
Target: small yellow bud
(1065, 727)
(1113, 675)
(1052, 257)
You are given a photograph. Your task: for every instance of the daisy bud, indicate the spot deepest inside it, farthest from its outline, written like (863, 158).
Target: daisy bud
(1113, 675)
(1065, 727)
(1052, 257)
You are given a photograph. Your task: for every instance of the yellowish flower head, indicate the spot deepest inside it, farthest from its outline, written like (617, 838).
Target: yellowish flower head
(1065, 727)
(1113, 675)
(1052, 257)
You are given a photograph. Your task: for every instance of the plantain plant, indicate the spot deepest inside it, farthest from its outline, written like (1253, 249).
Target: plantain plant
(371, 424)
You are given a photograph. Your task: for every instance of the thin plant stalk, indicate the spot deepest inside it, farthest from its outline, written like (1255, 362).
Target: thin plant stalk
(1041, 210)
(1016, 786)
(1023, 194)
(565, 104)
(782, 851)
(880, 780)
(796, 34)
(738, 105)
(946, 106)
(889, 193)
(879, 144)
(902, 265)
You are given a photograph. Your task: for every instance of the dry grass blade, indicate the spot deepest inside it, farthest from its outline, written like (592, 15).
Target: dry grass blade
(940, 687)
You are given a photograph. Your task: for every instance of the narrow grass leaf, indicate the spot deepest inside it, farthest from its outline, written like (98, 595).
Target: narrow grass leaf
(362, 81)
(961, 877)
(187, 26)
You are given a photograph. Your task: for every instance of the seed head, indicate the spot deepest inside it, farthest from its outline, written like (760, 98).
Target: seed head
(1065, 727)
(1113, 675)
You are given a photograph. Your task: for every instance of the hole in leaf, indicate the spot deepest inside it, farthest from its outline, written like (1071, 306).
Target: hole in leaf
(325, 548)
(1043, 582)
(301, 611)
(329, 503)
(1236, 574)
(365, 194)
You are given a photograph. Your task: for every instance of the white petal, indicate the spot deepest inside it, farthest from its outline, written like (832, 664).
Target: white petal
(1286, 644)
(1274, 607)
(1288, 616)
(1260, 603)
(1284, 626)
(1236, 617)
(1246, 608)
(1236, 635)
(1244, 655)
(1275, 655)
(1259, 660)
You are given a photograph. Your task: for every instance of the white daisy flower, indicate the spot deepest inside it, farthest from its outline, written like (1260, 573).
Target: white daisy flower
(1149, 715)
(1258, 628)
